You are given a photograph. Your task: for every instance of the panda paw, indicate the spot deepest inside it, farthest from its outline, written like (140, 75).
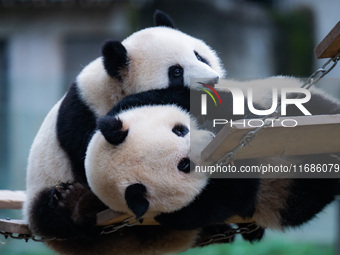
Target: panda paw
(65, 196)
(77, 202)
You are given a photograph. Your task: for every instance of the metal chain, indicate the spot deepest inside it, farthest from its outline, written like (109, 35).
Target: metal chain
(129, 222)
(230, 234)
(115, 227)
(249, 137)
(26, 237)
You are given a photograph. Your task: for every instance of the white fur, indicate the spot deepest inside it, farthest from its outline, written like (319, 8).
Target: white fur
(47, 164)
(149, 155)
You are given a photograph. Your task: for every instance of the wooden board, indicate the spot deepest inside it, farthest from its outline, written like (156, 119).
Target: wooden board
(330, 46)
(11, 199)
(14, 226)
(314, 135)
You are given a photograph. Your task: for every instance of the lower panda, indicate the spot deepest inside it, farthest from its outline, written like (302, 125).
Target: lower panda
(124, 170)
(272, 203)
(138, 162)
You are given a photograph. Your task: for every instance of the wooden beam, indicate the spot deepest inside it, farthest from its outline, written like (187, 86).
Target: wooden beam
(313, 135)
(14, 226)
(330, 46)
(11, 199)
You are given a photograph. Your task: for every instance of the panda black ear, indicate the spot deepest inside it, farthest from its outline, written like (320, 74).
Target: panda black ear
(115, 58)
(160, 18)
(111, 128)
(135, 199)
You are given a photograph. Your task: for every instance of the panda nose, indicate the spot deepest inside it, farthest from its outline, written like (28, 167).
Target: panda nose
(135, 199)
(210, 81)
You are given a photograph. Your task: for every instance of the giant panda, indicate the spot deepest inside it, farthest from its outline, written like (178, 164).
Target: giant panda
(124, 170)
(156, 57)
(273, 203)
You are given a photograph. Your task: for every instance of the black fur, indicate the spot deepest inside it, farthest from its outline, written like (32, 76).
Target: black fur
(111, 127)
(220, 200)
(162, 19)
(135, 199)
(55, 214)
(173, 95)
(115, 58)
(75, 126)
(307, 197)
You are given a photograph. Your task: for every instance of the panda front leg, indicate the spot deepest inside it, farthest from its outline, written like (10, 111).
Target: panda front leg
(64, 211)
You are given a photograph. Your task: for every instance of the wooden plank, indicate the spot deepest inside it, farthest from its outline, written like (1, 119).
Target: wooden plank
(313, 135)
(330, 46)
(11, 199)
(14, 226)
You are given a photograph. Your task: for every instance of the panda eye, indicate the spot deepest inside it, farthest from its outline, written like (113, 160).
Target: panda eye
(177, 71)
(180, 130)
(200, 58)
(185, 165)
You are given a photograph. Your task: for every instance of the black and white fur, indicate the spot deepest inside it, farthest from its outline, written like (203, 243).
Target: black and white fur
(138, 162)
(156, 57)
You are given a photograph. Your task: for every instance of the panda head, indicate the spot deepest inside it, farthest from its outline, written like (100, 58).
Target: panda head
(139, 161)
(159, 57)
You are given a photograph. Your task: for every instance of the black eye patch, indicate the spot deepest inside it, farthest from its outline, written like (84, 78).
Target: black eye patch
(185, 165)
(175, 74)
(180, 130)
(200, 58)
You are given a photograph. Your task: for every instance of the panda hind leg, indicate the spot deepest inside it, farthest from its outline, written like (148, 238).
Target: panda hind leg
(66, 210)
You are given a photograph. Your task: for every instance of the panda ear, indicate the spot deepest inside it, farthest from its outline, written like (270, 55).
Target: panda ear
(135, 199)
(160, 18)
(111, 128)
(115, 58)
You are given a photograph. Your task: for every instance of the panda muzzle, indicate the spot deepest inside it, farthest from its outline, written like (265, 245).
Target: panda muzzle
(135, 199)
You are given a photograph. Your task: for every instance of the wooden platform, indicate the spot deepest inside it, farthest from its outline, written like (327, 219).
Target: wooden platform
(313, 135)
(330, 45)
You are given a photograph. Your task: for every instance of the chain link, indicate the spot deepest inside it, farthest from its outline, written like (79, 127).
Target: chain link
(230, 234)
(129, 222)
(26, 237)
(115, 227)
(249, 137)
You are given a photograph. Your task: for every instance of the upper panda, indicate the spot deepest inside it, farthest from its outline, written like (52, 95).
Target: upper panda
(156, 57)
